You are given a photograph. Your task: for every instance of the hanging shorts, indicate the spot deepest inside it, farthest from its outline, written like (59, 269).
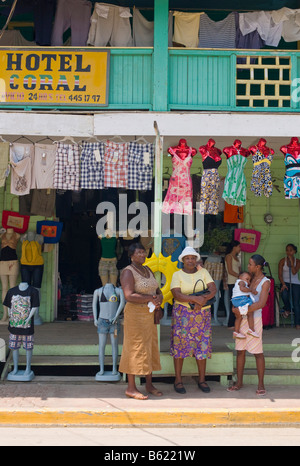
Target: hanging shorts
(15, 341)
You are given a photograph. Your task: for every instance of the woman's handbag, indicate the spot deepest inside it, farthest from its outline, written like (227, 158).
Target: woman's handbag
(202, 293)
(10, 219)
(50, 230)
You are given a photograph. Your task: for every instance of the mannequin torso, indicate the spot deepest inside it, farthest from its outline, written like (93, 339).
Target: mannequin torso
(182, 150)
(292, 174)
(235, 182)
(211, 156)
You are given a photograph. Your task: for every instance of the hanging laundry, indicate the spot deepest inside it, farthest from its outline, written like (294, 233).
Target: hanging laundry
(15, 39)
(116, 165)
(262, 21)
(92, 165)
(217, 34)
(44, 165)
(142, 30)
(110, 25)
(140, 166)
(4, 165)
(74, 14)
(67, 167)
(290, 20)
(261, 182)
(248, 41)
(21, 161)
(186, 28)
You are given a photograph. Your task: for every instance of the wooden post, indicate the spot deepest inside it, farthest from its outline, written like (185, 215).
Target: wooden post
(160, 55)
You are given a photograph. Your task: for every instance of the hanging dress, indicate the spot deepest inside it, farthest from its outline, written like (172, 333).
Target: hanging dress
(179, 197)
(292, 177)
(210, 186)
(235, 182)
(261, 182)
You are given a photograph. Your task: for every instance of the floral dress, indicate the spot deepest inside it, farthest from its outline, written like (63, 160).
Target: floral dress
(179, 197)
(235, 182)
(261, 182)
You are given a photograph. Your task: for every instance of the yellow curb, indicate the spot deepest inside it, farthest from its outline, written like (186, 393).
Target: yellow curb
(189, 418)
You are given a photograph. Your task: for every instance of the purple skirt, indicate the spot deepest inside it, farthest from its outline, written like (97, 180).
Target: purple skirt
(190, 333)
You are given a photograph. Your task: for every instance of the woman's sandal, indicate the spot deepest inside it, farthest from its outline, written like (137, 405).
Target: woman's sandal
(137, 396)
(155, 392)
(178, 389)
(233, 388)
(261, 392)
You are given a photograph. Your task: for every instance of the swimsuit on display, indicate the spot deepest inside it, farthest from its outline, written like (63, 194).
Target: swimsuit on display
(235, 181)
(179, 198)
(292, 177)
(261, 182)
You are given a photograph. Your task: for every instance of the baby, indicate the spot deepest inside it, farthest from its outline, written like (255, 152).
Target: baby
(242, 298)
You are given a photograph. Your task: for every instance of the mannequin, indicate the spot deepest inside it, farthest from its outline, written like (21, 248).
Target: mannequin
(9, 265)
(210, 180)
(32, 263)
(22, 302)
(292, 165)
(261, 182)
(179, 197)
(111, 303)
(235, 182)
(108, 271)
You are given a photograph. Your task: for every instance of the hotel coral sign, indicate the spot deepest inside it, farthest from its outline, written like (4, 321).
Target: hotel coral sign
(54, 77)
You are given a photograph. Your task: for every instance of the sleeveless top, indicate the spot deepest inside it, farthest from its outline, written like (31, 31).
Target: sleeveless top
(286, 274)
(236, 268)
(256, 297)
(31, 253)
(143, 285)
(8, 247)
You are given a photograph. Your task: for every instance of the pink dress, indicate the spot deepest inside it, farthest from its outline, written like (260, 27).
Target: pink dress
(179, 197)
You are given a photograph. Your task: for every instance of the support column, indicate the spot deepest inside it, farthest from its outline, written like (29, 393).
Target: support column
(160, 55)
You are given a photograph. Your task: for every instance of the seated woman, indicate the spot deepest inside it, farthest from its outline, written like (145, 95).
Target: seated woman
(191, 328)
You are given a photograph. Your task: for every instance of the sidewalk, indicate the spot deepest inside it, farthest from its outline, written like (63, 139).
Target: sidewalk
(92, 403)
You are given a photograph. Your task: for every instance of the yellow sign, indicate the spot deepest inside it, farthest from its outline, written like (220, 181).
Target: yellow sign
(54, 77)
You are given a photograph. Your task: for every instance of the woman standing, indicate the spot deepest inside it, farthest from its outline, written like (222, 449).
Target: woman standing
(233, 268)
(288, 269)
(253, 345)
(140, 354)
(191, 328)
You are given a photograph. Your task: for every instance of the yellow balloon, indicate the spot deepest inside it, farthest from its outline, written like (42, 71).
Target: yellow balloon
(167, 267)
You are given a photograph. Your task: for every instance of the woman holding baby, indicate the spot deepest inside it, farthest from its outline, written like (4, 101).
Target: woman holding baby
(259, 286)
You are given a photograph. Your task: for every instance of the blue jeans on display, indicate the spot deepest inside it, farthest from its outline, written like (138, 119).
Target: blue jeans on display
(285, 294)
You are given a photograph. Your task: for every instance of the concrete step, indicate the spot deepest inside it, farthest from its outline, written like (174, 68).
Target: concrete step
(273, 377)
(273, 362)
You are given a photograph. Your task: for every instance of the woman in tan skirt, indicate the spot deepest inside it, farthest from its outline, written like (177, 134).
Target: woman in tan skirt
(140, 354)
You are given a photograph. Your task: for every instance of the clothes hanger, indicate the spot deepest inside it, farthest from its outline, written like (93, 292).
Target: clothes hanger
(2, 139)
(117, 137)
(66, 138)
(141, 138)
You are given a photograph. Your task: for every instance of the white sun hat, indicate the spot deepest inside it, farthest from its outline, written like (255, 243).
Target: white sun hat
(189, 251)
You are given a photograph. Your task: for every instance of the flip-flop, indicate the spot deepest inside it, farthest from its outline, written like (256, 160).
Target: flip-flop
(261, 392)
(233, 388)
(137, 396)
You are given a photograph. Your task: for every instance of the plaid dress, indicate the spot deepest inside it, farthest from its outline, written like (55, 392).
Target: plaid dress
(67, 167)
(116, 165)
(140, 166)
(92, 165)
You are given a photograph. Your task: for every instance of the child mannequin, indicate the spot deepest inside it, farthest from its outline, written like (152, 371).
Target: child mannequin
(241, 298)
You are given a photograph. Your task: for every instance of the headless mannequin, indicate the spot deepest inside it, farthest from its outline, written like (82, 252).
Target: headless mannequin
(8, 280)
(210, 151)
(108, 271)
(106, 322)
(292, 148)
(182, 150)
(261, 146)
(32, 236)
(27, 375)
(236, 148)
